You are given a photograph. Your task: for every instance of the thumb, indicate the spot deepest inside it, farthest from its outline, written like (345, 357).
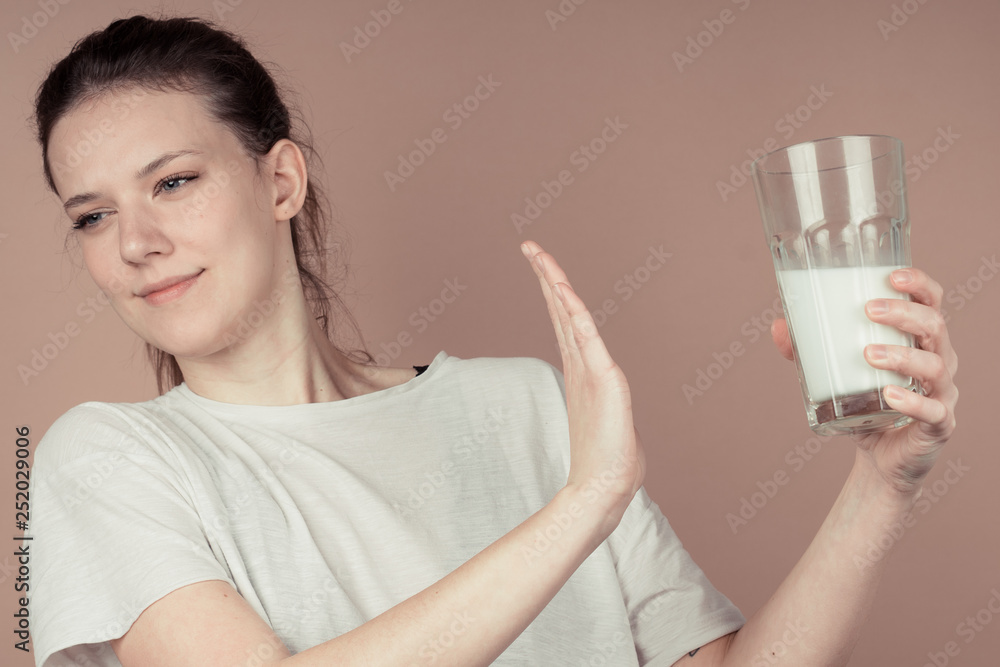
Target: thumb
(779, 333)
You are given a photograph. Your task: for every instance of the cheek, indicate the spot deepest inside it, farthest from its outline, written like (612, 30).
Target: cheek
(246, 231)
(105, 267)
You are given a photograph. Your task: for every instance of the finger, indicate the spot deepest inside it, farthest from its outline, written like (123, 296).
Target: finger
(927, 367)
(920, 286)
(557, 281)
(587, 342)
(560, 319)
(583, 343)
(923, 321)
(781, 337)
(936, 420)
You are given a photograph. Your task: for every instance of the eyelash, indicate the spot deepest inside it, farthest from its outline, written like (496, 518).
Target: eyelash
(81, 221)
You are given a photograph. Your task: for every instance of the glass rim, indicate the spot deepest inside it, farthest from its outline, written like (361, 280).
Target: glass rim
(755, 166)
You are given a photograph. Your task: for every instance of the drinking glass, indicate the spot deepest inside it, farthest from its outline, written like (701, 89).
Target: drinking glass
(835, 220)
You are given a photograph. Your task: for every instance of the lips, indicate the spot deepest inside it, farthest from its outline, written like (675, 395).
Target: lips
(168, 288)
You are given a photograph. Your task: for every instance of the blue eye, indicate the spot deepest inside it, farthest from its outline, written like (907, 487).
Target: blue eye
(85, 220)
(82, 221)
(172, 179)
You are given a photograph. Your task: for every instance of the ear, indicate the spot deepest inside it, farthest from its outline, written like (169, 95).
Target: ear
(290, 178)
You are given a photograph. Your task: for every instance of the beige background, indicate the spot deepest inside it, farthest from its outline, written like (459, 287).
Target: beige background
(655, 185)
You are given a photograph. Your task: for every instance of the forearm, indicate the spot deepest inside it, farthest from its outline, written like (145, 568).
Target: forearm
(472, 615)
(816, 614)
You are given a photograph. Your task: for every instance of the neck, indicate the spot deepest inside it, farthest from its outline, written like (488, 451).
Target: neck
(288, 360)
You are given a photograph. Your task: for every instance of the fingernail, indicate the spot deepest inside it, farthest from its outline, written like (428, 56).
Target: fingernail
(538, 263)
(525, 250)
(892, 391)
(903, 276)
(877, 352)
(878, 307)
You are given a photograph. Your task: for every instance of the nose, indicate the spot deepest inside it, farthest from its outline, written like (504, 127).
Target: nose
(140, 235)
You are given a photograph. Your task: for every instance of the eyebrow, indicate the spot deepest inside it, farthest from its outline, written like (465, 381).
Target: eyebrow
(85, 197)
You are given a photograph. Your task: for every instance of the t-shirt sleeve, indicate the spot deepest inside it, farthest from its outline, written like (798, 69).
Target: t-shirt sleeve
(113, 530)
(673, 608)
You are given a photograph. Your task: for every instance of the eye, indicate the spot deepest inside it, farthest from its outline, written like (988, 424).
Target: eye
(179, 180)
(86, 218)
(175, 178)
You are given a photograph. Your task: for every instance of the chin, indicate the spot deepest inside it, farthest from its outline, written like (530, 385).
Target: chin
(188, 343)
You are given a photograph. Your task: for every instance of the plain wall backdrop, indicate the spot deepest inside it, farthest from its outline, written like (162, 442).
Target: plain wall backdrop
(694, 89)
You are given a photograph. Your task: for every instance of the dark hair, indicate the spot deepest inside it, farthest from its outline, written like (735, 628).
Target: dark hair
(194, 55)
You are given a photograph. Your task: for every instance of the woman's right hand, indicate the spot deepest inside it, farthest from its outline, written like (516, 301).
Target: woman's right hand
(607, 461)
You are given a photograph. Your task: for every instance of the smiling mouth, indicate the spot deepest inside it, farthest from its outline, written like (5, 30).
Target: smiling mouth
(169, 289)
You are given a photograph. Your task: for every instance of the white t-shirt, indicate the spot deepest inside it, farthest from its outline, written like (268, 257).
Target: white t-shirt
(324, 515)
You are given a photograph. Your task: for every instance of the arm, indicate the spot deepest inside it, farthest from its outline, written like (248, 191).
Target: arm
(470, 616)
(816, 615)
(480, 605)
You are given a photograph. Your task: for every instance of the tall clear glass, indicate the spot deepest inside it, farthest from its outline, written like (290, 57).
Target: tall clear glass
(835, 219)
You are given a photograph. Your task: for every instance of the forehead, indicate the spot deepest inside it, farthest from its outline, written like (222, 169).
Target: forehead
(121, 131)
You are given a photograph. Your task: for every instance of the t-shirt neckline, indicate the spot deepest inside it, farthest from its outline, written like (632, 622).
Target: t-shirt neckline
(278, 411)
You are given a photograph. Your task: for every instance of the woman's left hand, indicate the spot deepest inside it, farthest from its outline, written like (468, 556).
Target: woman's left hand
(904, 456)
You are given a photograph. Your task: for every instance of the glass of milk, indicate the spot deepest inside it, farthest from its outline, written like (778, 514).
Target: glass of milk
(835, 219)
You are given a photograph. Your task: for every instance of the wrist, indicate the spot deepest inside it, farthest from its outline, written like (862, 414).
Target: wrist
(871, 487)
(593, 511)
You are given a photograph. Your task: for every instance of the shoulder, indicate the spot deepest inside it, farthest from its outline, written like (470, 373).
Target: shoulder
(524, 378)
(523, 368)
(95, 427)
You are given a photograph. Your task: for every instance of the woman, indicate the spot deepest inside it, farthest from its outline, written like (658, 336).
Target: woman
(285, 503)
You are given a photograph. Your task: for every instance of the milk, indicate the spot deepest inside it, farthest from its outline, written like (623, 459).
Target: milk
(826, 315)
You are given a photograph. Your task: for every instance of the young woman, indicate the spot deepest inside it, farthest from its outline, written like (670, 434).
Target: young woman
(282, 502)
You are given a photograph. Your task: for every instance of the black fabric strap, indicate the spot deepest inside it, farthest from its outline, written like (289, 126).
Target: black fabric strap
(421, 369)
